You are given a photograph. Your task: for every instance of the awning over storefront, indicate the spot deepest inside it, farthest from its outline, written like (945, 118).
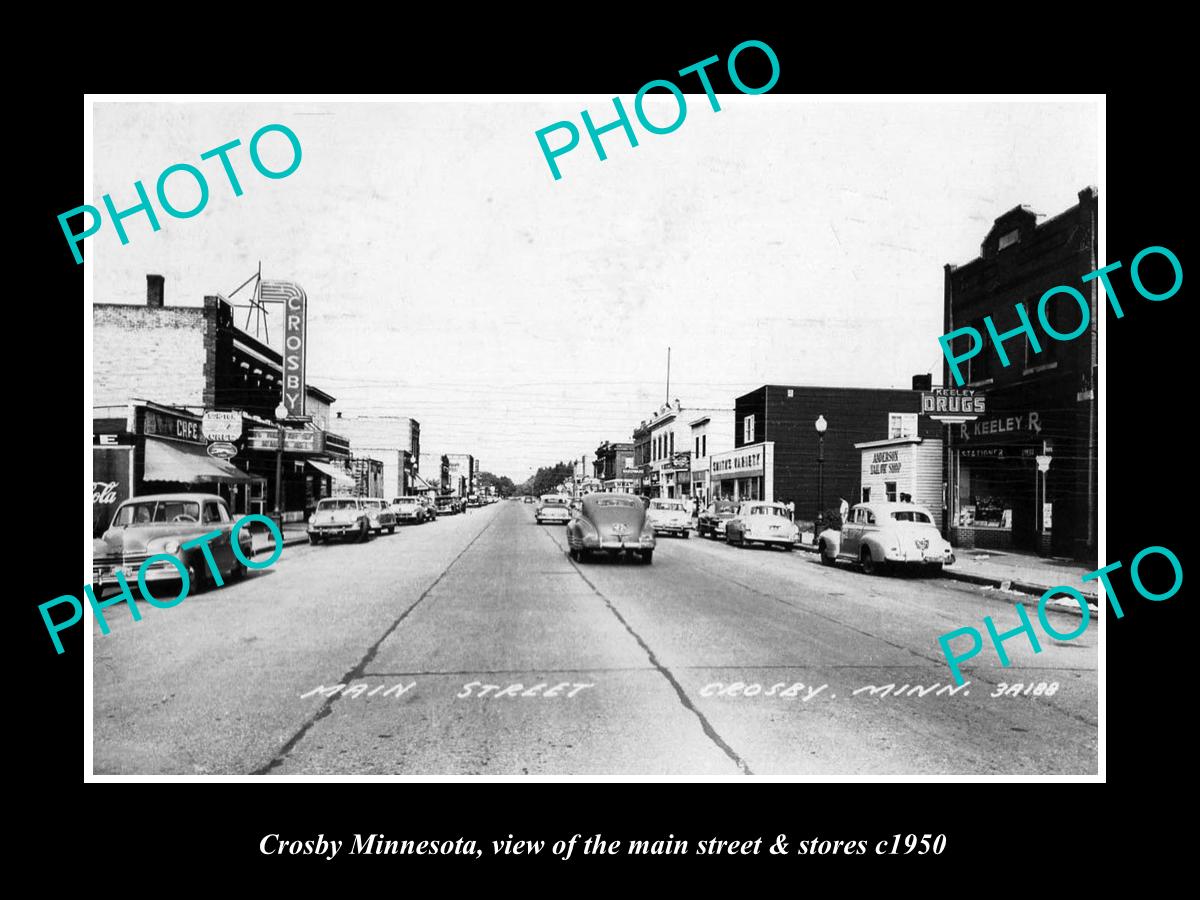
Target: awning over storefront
(188, 464)
(337, 473)
(419, 484)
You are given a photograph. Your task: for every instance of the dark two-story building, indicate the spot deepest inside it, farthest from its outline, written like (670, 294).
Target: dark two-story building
(777, 445)
(1043, 404)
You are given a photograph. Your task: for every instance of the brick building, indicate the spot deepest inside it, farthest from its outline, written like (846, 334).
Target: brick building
(187, 360)
(609, 467)
(1042, 403)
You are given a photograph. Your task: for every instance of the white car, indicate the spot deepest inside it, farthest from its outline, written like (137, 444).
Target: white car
(764, 523)
(553, 508)
(665, 515)
(409, 509)
(881, 534)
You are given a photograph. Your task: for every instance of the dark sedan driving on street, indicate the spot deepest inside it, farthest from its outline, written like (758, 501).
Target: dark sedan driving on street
(611, 523)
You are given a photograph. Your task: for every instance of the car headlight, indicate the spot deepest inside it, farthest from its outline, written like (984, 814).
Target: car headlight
(171, 546)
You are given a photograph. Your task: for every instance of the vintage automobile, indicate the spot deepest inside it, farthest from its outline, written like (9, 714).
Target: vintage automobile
(409, 510)
(711, 521)
(450, 504)
(528, 498)
(427, 501)
(611, 523)
(553, 508)
(763, 523)
(161, 523)
(666, 515)
(881, 534)
(339, 517)
(379, 511)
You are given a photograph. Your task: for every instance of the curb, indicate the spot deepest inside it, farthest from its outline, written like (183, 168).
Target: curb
(1021, 587)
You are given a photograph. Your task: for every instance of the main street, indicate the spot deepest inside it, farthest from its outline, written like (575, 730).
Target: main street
(474, 646)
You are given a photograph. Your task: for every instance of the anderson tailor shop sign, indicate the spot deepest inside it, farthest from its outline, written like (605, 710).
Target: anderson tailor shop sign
(295, 340)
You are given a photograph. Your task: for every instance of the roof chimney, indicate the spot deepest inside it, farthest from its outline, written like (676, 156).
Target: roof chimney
(154, 291)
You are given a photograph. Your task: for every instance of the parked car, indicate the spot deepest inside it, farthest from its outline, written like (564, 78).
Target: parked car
(611, 523)
(553, 508)
(528, 498)
(161, 523)
(881, 534)
(409, 510)
(342, 517)
(666, 515)
(380, 514)
(448, 505)
(430, 506)
(765, 523)
(711, 521)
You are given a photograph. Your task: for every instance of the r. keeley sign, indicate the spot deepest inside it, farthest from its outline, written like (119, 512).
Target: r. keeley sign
(295, 304)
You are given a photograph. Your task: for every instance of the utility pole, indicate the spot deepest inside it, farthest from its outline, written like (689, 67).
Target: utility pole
(668, 375)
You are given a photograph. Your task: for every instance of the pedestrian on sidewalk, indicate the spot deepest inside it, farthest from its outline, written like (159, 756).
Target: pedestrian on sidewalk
(791, 511)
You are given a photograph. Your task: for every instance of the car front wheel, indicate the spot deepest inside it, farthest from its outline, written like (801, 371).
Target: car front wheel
(647, 557)
(314, 539)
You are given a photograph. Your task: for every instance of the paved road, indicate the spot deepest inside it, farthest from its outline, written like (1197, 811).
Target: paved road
(474, 645)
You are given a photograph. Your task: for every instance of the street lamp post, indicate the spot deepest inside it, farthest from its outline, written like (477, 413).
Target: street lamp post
(820, 425)
(281, 412)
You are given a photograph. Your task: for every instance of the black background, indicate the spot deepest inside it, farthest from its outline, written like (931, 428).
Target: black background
(207, 833)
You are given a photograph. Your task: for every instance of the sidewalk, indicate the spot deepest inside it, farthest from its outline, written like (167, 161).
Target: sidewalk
(1024, 573)
(293, 533)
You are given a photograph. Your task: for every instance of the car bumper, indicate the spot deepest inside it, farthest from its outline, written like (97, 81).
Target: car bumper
(773, 539)
(918, 558)
(616, 544)
(105, 574)
(551, 517)
(327, 530)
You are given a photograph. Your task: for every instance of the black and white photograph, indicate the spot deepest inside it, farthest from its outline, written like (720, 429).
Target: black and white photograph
(695, 436)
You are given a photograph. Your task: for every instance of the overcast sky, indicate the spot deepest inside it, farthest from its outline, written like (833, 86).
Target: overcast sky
(525, 320)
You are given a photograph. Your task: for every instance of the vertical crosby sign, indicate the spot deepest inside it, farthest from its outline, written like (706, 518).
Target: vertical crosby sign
(295, 305)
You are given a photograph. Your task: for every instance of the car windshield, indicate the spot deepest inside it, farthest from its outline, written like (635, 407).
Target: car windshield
(613, 501)
(405, 501)
(911, 515)
(724, 507)
(767, 511)
(667, 504)
(342, 503)
(157, 511)
(554, 501)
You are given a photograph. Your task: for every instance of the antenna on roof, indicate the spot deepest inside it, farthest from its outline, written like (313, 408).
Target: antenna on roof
(255, 307)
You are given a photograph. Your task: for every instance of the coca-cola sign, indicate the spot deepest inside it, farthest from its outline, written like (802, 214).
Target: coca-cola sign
(104, 492)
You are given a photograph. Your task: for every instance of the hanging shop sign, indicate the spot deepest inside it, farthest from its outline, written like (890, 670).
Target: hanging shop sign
(218, 425)
(222, 450)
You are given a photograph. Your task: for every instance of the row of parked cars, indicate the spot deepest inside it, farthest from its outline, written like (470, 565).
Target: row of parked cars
(874, 535)
(358, 518)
